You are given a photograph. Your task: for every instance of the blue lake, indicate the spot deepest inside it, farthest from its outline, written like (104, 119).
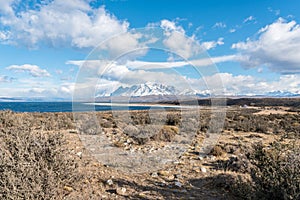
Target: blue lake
(64, 107)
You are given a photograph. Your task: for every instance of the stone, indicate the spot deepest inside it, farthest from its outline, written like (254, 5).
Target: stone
(170, 178)
(128, 141)
(154, 174)
(79, 154)
(163, 173)
(178, 176)
(178, 184)
(203, 169)
(67, 188)
(121, 191)
(109, 182)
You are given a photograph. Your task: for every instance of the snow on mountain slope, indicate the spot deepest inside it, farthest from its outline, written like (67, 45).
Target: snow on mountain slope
(145, 89)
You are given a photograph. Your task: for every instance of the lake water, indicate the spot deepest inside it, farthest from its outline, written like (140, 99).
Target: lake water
(67, 107)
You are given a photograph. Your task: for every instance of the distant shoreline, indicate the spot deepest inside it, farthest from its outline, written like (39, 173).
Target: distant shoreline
(155, 105)
(108, 106)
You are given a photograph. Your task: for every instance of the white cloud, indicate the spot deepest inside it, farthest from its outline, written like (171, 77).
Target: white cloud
(219, 25)
(33, 70)
(249, 85)
(170, 26)
(177, 41)
(204, 62)
(249, 19)
(67, 88)
(232, 30)
(98, 65)
(6, 79)
(213, 60)
(85, 27)
(5, 7)
(228, 83)
(154, 65)
(181, 45)
(38, 88)
(277, 47)
(276, 12)
(127, 43)
(212, 44)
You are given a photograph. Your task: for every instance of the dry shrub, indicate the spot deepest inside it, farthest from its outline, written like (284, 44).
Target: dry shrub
(237, 184)
(43, 121)
(217, 151)
(140, 133)
(277, 174)
(166, 134)
(33, 165)
(173, 119)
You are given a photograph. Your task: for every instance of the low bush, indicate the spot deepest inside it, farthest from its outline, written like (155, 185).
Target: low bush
(276, 173)
(239, 185)
(34, 165)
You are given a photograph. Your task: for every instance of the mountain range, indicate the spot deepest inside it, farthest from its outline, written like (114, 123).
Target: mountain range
(158, 89)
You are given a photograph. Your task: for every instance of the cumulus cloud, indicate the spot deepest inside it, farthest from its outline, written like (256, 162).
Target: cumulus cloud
(171, 26)
(277, 46)
(33, 70)
(212, 44)
(177, 41)
(85, 27)
(249, 85)
(127, 43)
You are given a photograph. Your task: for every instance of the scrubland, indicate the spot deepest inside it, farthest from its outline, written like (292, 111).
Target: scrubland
(47, 155)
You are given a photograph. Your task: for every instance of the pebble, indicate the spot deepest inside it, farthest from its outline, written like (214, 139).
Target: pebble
(170, 178)
(121, 191)
(144, 194)
(212, 158)
(196, 169)
(127, 148)
(67, 188)
(154, 174)
(109, 182)
(128, 141)
(203, 169)
(79, 154)
(163, 173)
(178, 184)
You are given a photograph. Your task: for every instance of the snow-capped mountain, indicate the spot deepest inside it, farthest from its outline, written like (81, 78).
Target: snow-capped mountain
(282, 94)
(145, 89)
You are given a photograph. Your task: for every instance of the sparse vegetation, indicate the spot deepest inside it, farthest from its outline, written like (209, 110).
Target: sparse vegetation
(33, 164)
(258, 159)
(276, 173)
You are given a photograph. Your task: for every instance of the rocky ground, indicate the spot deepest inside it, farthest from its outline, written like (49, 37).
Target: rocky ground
(101, 151)
(189, 176)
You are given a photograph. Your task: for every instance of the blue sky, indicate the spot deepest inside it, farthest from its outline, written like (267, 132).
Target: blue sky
(253, 46)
